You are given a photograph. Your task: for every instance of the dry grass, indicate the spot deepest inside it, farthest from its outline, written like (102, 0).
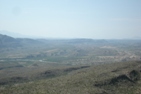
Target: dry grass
(80, 82)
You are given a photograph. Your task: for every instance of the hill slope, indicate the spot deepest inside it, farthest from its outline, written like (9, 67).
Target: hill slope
(6, 41)
(116, 78)
(10, 42)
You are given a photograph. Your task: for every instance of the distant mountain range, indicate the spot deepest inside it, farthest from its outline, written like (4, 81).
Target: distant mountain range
(18, 35)
(7, 41)
(12, 34)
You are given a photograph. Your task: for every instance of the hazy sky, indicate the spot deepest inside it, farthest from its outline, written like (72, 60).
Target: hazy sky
(98, 19)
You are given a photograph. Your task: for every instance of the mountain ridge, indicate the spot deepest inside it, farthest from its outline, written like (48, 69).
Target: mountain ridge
(8, 41)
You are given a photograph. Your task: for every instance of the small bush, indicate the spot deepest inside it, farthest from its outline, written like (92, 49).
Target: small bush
(134, 75)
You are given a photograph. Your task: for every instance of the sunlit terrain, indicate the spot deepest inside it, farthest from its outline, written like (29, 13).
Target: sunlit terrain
(69, 65)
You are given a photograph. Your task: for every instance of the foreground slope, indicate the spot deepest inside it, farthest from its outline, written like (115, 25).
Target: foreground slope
(114, 78)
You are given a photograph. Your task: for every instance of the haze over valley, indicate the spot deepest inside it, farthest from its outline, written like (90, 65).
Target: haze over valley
(70, 46)
(119, 19)
(25, 62)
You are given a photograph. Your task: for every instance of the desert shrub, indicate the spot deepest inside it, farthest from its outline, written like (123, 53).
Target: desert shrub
(134, 75)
